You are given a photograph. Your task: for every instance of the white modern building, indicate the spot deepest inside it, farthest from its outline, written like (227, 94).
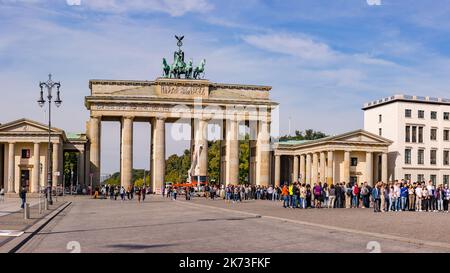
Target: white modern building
(419, 128)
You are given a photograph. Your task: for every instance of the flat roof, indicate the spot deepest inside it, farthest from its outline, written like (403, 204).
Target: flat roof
(405, 98)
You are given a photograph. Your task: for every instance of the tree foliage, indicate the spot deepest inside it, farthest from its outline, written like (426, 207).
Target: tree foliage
(309, 134)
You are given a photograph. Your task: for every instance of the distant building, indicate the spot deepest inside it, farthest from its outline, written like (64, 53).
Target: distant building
(23, 155)
(419, 128)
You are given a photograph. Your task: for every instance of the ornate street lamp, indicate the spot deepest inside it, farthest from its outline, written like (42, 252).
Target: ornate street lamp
(49, 85)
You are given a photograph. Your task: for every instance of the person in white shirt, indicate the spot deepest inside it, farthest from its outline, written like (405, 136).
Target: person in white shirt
(2, 195)
(418, 198)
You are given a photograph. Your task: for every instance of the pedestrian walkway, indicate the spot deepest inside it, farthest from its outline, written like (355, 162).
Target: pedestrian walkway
(11, 205)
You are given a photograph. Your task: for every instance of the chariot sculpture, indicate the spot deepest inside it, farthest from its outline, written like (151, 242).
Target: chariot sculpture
(180, 68)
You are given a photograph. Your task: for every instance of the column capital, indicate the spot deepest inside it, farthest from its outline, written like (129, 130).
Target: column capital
(128, 117)
(96, 116)
(161, 118)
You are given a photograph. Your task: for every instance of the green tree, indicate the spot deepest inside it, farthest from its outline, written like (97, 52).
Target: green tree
(244, 154)
(214, 161)
(309, 134)
(70, 163)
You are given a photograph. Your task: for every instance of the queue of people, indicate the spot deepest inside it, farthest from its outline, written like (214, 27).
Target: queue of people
(130, 193)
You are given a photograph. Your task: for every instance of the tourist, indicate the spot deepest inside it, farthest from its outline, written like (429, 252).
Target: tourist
(411, 198)
(23, 197)
(144, 193)
(296, 195)
(376, 198)
(431, 198)
(285, 196)
(382, 196)
(365, 195)
(122, 193)
(138, 193)
(426, 200)
(317, 190)
(403, 196)
(2, 195)
(439, 198)
(332, 196)
(116, 192)
(355, 196)
(308, 196)
(325, 195)
(174, 193)
(446, 192)
(419, 198)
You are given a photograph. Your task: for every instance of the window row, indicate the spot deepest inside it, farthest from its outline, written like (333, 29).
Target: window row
(421, 114)
(414, 134)
(433, 178)
(421, 157)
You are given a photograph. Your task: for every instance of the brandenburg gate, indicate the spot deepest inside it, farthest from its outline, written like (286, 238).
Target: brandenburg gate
(188, 99)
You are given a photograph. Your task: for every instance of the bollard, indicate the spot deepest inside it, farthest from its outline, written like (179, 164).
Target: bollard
(26, 211)
(46, 204)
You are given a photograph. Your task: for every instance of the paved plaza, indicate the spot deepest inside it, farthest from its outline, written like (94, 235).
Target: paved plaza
(162, 225)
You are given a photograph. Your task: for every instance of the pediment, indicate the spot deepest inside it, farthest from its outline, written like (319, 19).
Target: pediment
(24, 125)
(360, 136)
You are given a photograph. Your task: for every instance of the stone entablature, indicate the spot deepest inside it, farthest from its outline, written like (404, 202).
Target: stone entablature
(178, 88)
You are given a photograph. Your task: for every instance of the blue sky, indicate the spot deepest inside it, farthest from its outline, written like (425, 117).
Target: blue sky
(323, 58)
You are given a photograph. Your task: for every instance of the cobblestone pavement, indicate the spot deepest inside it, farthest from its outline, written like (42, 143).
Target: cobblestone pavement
(430, 226)
(161, 225)
(13, 218)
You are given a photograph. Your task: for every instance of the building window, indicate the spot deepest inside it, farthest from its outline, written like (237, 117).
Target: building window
(407, 156)
(380, 132)
(420, 157)
(445, 179)
(421, 114)
(408, 134)
(433, 157)
(446, 135)
(445, 158)
(354, 161)
(25, 153)
(407, 113)
(414, 134)
(420, 134)
(420, 178)
(433, 115)
(446, 115)
(433, 134)
(380, 118)
(408, 177)
(433, 179)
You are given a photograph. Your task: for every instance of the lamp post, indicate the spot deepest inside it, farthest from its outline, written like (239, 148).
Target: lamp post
(50, 84)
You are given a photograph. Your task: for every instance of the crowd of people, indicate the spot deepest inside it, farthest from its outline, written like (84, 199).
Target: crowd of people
(382, 197)
(114, 192)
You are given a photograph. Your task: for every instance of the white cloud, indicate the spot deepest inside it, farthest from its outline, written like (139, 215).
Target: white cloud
(300, 46)
(172, 7)
(374, 2)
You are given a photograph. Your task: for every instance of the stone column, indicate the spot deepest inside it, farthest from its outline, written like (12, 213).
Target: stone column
(263, 154)
(330, 164)
(36, 168)
(201, 145)
(11, 167)
(302, 168)
(81, 168)
(295, 171)
(56, 166)
(346, 166)
(314, 168)
(94, 154)
(322, 168)
(159, 152)
(126, 148)
(384, 168)
(308, 169)
(369, 168)
(232, 152)
(277, 170)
